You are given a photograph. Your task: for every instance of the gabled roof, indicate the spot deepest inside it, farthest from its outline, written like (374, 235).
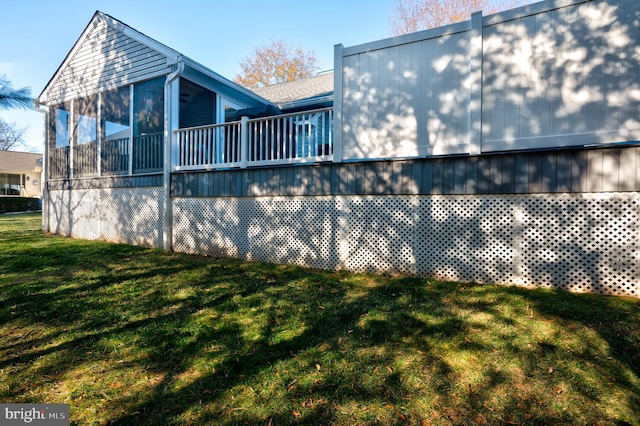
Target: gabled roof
(309, 91)
(172, 56)
(98, 17)
(19, 161)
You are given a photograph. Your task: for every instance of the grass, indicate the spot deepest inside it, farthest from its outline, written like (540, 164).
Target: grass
(129, 335)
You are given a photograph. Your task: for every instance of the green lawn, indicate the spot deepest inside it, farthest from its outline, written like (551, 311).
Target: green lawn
(136, 336)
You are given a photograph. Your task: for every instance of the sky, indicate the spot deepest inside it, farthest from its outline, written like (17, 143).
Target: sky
(35, 36)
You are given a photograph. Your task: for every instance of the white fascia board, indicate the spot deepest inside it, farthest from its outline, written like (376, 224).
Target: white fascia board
(528, 10)
(42, 99)
(172, 55)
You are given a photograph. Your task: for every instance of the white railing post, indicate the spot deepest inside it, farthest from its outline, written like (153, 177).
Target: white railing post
(475, 85)
(337, 102)
(244, 142)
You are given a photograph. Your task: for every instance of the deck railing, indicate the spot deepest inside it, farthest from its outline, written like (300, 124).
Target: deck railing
(85, 159)
(114, 156)
(148, 153)
(60, 164)
(209, 146)
(282, 139)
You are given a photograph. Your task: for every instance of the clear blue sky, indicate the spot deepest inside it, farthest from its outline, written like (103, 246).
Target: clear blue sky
(35, 36)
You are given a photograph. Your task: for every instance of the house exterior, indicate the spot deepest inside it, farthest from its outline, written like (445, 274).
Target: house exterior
(20, 174)
(503, 149)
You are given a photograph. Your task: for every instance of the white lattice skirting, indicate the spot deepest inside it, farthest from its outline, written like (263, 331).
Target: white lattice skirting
(131, 215)
(578, 242)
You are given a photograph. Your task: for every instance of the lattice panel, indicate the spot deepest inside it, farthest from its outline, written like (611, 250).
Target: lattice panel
(578, 242)
(467, 239)
(585, 242)
(380, 234)
(60, 217)
(582, 244)
(132, 215)
(74, 213)
(85, 217)
(304, 231)
(237, 227)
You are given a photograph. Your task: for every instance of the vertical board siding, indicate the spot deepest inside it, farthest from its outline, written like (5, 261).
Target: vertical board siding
(107, 58)
(594, 170)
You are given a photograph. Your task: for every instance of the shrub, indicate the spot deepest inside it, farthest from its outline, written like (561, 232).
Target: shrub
(18, 204)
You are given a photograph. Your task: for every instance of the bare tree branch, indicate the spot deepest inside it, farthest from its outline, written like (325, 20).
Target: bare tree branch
(11, 137)
(409, 16)
(275, 62)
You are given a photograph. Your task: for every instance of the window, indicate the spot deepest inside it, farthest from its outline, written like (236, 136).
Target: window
(86, 121)
(62, 125)
(10, 184)
(148, 112)
(148, 126)
(116, 130)
(197, 105)
(85, 136)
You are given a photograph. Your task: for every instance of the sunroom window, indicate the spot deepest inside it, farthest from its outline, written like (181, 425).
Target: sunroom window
(148, 126)
(116, 131)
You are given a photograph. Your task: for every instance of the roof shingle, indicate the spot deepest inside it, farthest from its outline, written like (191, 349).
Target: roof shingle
(299, 90)
(19, 161)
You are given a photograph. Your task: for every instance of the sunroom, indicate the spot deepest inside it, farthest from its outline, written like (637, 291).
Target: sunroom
(124, 104)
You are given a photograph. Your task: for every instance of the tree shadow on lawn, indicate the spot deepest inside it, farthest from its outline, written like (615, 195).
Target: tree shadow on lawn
(384, 353)
(238, 343)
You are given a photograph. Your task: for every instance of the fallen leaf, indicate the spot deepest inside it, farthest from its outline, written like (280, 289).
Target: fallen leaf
(401, 417)
(550, 370)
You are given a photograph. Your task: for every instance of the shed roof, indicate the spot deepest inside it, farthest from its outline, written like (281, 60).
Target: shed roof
(308, 90)
(19, 161)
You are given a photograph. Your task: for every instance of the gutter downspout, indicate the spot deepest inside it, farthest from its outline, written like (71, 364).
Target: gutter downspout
(44, 179)
(169, 118)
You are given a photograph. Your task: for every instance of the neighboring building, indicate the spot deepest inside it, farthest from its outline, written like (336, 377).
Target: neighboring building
(20, 174)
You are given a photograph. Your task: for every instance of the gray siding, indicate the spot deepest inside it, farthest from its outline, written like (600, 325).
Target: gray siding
(107, 182)
(107, 58)
(575, 171)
